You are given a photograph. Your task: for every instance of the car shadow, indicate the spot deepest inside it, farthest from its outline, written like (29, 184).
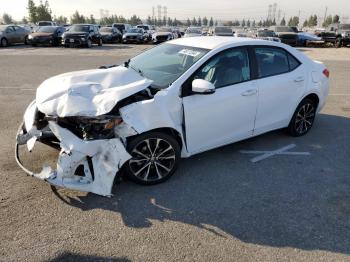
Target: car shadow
(69, 256)
(284, 201)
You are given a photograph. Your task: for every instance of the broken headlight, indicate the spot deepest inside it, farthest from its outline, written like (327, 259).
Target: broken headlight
(87, 128)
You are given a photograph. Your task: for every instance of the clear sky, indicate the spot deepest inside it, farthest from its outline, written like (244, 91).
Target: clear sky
(181, 9)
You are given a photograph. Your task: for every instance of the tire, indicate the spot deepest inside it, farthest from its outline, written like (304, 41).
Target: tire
(89, 43)
(338, 43)
(4, 42)
(303, 118)
(26, 40)
(155, 157)
(100, 42)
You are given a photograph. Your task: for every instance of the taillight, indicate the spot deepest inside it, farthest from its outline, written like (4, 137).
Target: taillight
(326, 72)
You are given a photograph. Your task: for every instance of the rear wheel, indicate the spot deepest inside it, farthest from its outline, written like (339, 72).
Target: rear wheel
(303, 118)
(154, 159)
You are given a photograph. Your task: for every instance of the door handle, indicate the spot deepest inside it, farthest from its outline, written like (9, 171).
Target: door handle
(299, 79)
(249, 92)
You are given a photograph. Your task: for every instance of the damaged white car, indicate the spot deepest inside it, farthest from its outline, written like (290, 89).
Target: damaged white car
(175, 100)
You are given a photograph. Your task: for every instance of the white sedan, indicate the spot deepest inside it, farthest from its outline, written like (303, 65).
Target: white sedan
(175, 100)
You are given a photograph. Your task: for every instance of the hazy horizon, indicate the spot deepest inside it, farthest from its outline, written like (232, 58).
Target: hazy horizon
(181, 9)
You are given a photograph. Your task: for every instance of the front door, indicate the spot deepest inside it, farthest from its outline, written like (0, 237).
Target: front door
(228, 115)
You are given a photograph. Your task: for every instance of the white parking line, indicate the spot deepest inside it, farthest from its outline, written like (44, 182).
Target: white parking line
(267, 154)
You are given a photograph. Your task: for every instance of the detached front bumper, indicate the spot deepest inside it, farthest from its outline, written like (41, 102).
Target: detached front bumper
(88, 166)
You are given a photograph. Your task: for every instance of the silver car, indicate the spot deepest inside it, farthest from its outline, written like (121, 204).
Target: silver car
(13, 34)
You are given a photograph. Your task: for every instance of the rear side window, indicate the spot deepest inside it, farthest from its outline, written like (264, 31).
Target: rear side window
(293, 62)
(271, 61)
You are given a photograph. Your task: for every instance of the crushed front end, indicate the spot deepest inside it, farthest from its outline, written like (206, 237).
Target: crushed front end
(91, 149)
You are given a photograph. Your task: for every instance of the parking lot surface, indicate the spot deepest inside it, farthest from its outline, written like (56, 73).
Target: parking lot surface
(219, 205)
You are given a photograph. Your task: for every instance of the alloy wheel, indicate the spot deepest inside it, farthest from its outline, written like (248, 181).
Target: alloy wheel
(152, 159)
(304, 119)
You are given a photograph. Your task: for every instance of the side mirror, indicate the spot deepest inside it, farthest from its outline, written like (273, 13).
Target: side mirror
(201, 86)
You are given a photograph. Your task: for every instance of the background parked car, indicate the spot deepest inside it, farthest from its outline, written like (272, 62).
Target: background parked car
(220, 31)
(307, 39)
(111, 35)
(268, 35)
(82, 35)
(286, 34)
(342, 32)
(135, 35)
(328, 37)
(13, 34)
(193, 31)
(47, 35)
(122, 27)
(163, 34)
(149, 30)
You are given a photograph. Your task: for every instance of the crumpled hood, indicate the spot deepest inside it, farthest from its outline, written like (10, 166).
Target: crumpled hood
(89, 92)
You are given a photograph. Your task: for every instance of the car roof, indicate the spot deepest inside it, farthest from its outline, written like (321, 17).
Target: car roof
(213, 42)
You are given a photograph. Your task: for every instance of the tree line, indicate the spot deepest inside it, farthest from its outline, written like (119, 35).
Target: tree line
(43, 12)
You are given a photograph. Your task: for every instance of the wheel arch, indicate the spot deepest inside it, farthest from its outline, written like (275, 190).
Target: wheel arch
(313, 97)
(166, 130)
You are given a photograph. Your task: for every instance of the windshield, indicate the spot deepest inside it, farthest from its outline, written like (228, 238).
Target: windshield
(164, 29)
(165, 63)
(135, 30)
(284, 29)
(193, 31)
(266, 33)
(344, 27)
(47, 29)
(223, 30)
(79, 28)
(106, 29)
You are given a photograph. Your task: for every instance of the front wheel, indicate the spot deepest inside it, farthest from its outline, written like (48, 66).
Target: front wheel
(303, 118)
(4, 42)
(100, 42)
(154, 159)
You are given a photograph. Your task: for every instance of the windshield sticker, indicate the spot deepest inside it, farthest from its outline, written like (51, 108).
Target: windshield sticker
(189, 52)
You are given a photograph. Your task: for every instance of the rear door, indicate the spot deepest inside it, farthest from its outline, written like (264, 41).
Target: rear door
(281, 81)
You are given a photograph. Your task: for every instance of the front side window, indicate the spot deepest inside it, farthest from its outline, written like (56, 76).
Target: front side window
(165, 63)
(271, 61)
(227, 68)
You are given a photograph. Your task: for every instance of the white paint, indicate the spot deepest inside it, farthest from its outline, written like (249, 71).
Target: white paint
(267, 154)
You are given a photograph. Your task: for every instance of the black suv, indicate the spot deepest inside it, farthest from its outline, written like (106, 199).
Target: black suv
(342, 32)
(82, 35)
